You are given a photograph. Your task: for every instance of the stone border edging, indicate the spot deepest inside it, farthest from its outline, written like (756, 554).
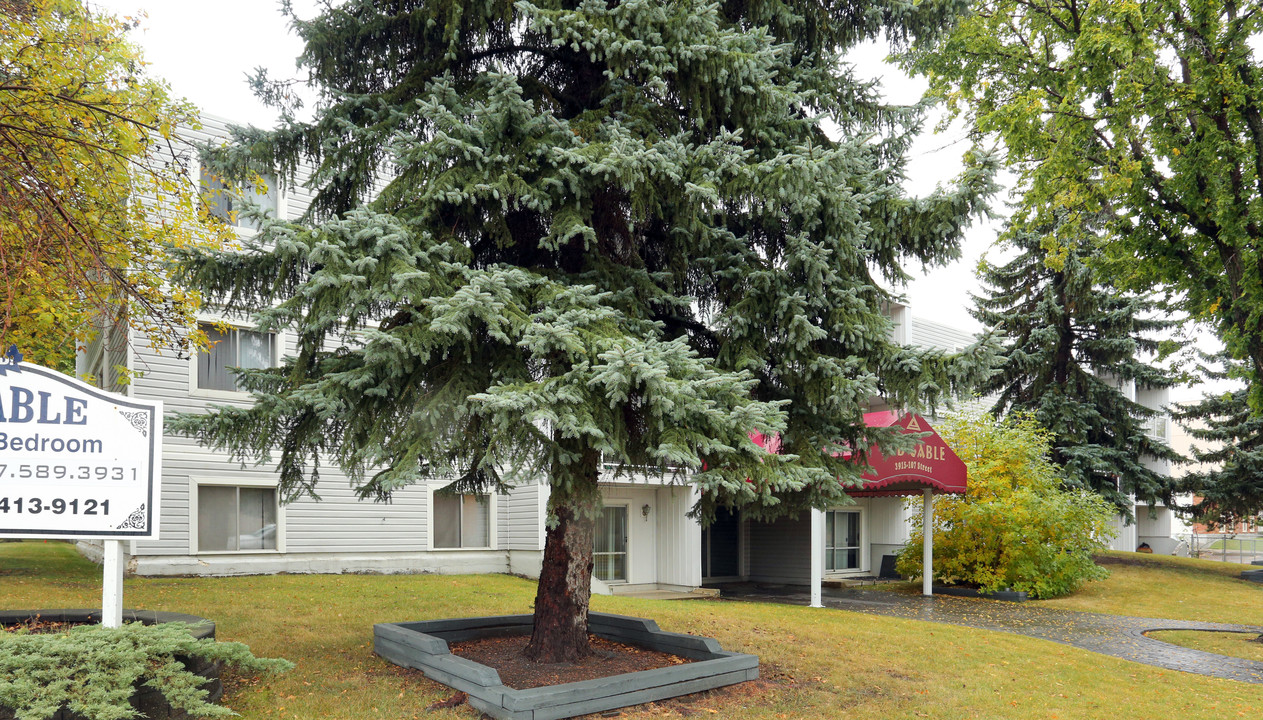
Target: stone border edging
(87, 616)
(424, 646)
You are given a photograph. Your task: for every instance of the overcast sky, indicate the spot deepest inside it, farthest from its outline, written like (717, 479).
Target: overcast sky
(206, 54)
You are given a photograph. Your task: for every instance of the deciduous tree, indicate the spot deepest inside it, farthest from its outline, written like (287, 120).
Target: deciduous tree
(1148, 113)
(90, 193)
(612, 237)
(1017, 526)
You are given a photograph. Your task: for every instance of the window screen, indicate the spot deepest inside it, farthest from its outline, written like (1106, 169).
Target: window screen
(462, 520)
(235, 518)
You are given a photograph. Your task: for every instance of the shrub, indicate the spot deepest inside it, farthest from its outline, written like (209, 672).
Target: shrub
(94, 670)
(1015, 527)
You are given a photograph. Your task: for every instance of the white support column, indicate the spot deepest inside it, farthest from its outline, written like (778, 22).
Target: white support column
(112, 584)
(927, 546)
(817, 556)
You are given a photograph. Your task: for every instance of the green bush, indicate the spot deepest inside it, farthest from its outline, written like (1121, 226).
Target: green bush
(1016, 527)
(94, 670)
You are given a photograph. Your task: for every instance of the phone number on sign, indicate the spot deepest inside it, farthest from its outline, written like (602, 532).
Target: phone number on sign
(56, 506)
(66, 472)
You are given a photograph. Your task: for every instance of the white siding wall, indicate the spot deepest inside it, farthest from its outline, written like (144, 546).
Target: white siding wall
(1125, 539)
(679, 538)
(929, 334)
(887, 527)
(521, 521)
(1162, 531)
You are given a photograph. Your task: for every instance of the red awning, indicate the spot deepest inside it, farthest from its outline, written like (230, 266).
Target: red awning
(932, 464)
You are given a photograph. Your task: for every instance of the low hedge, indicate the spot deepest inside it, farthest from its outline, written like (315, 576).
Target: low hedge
(94, 671)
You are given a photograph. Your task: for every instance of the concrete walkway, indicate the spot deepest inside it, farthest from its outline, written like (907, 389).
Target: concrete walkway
(1117, 635)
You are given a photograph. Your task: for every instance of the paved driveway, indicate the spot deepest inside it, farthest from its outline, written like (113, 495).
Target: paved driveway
(1117, 635)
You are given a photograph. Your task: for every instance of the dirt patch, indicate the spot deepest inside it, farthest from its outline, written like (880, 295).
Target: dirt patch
(505, 654)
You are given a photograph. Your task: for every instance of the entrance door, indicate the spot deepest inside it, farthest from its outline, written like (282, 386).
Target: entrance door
(610, 557)
(721, 546)
(842, 540)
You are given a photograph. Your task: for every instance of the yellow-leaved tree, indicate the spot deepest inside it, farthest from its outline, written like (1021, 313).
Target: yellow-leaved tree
(92, 193)
(1016, 527)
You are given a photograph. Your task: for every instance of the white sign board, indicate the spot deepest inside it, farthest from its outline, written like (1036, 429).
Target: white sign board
(76, 462)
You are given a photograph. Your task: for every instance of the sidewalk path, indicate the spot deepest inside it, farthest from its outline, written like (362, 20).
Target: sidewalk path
(1117, 635)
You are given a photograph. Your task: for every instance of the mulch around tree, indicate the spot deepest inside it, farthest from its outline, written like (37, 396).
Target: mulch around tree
(36, 626)
(505, 655)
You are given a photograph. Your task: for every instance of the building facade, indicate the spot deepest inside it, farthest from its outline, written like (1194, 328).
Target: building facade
(223, 517)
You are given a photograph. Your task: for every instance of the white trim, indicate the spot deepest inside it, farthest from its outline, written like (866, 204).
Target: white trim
(112, 583)
(256, 482)
(927, 542)
(817, 523)
(865, 547)
(129, 361)
(493, 510)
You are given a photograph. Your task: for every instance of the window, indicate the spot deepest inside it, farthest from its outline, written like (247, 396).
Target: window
(232, 348)
(461, 521)
(1155, 427)
(610, 556)
(842, 540)
(231, 518)
(221, 203)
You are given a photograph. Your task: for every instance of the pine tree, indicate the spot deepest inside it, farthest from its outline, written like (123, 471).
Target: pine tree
(607, 232)
(1071, 339)
(1231, 486)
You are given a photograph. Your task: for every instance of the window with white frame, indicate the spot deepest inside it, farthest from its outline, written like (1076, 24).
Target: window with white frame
(610, 554)
(1156, 426)
(461, 521)
(232, 348)
(233, 518)
(842, 540)
(222, 204)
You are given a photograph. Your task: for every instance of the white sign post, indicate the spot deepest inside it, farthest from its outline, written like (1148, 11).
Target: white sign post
(78, 463)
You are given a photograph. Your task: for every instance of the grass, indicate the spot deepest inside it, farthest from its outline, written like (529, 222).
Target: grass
(1176, 588)
(1239, 645)
(815, 663)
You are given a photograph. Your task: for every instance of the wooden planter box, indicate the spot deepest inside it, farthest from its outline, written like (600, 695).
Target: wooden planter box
(423, 645)
(148, 701)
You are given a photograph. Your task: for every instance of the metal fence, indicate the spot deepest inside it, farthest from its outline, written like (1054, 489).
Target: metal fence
(1242, 548)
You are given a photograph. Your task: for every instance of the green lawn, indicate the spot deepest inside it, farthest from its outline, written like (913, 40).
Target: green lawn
(815, 663)
(1234, 644)
(1170, 587)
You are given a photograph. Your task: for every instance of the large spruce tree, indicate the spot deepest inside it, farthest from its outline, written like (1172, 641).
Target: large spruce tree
(1149, 114)
(1071, 339)
(1229, 486)
(546, 236)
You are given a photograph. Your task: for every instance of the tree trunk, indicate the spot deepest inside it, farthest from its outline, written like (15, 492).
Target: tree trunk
(565, 580)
